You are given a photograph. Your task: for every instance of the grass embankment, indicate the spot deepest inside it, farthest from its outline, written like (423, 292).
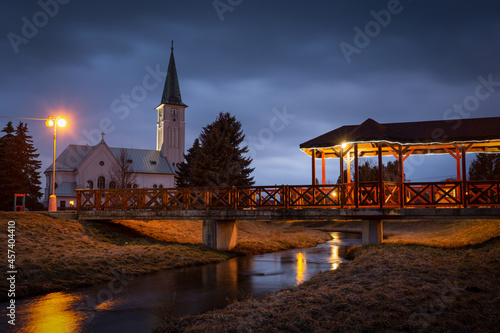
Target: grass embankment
(398, 286)
(54, 255)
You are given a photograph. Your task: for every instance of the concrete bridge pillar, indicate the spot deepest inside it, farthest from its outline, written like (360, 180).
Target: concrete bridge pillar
(372, 232)
(220, 234)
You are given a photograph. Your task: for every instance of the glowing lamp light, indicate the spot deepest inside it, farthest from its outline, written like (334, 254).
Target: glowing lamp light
(344, 145)
(54, 122)
(60, 121)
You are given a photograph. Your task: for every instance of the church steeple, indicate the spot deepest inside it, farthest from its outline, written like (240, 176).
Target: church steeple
(172, 92)
(171, 125)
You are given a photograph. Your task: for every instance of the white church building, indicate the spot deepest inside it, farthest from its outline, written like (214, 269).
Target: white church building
(85, 166)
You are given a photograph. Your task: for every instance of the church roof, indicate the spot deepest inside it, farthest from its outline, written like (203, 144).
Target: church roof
(454, 130)
(172, 92)
(143, 160)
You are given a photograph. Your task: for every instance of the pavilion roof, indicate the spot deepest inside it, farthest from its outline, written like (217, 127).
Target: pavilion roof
(423, 136)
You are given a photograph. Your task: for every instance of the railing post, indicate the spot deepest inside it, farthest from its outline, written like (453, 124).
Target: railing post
(78, 199)
(185, 196)
(286, 194)
(234, 197)
(98, 200)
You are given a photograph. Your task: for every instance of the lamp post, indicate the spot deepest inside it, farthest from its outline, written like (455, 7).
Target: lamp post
(54, 122)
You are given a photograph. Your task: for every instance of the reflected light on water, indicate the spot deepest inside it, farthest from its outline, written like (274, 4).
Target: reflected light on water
(54, 313)
(334, 259)
(301, 268)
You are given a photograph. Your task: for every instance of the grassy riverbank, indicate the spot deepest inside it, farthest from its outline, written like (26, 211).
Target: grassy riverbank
(428, 276)
(54, 255)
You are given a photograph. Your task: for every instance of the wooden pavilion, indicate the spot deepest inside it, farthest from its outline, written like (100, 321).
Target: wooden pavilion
(455, 137)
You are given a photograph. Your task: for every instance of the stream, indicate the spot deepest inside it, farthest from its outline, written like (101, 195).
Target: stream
(133, 304)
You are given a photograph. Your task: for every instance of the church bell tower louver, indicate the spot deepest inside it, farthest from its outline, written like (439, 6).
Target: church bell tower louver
(171, 125)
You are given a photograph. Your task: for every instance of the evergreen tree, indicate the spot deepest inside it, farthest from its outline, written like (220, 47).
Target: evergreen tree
(216, 158)
(185, 170)
(19, 165)
(368, 172)
(485, 167)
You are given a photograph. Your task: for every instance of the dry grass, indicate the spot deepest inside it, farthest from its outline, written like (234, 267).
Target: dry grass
(390, 288)
(55, 255)
(258, 237)
(442, 233)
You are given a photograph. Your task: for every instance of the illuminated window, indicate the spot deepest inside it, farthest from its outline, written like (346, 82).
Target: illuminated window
(101, 182)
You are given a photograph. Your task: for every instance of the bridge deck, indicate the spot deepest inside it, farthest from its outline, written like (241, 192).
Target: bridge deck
(296, 214)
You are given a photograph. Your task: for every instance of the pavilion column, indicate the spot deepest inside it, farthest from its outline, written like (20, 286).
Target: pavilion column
(348, 163)
(342, 187)
(459, 178)
(323, 178)
(356, 175)
(341, 165)
(380, 176)
(313, 162)
(464, 177)
(401, 175)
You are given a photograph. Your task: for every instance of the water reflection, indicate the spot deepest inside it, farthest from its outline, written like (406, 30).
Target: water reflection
(177, 292)
(301, 268)
(53, 313)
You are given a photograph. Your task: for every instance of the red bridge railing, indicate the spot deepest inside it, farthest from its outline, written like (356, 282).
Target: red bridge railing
(350, 195)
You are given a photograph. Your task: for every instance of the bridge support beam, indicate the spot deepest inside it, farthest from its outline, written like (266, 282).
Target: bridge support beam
(372, 232)
(220, 234)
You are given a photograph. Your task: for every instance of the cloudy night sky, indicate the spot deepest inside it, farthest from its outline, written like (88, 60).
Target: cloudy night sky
(288, 70)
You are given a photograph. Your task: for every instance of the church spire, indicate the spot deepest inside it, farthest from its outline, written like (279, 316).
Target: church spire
(172, 92)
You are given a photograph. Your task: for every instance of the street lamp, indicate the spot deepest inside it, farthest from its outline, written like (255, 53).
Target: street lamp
(54, 122)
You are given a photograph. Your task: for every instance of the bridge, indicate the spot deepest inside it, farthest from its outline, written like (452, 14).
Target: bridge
(352, 198)
(221, 207)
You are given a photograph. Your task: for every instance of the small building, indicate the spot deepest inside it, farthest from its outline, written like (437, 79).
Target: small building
(456, 137)
(90, 167)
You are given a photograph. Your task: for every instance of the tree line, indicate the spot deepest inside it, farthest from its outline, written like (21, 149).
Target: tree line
(217, 158)
(19, 166)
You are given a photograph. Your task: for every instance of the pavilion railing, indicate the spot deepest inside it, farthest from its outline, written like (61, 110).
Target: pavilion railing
(349, 195)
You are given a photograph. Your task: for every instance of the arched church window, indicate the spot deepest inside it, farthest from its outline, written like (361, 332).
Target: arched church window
(112, 185)
(101, 182)
(155, 186)
(90, 185)
(160, 186)
(134, 186)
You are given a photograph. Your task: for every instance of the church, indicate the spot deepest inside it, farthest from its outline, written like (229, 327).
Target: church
(85, 166)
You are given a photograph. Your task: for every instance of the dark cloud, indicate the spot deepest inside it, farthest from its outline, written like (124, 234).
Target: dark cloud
(262, 56)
